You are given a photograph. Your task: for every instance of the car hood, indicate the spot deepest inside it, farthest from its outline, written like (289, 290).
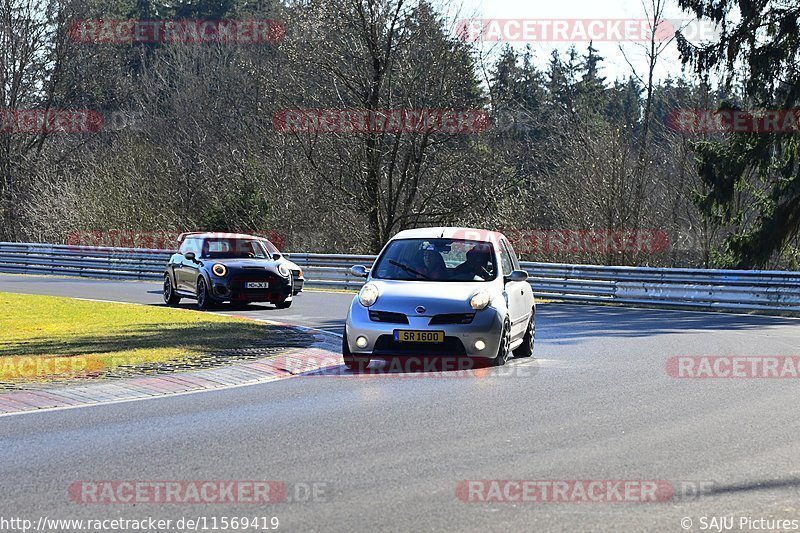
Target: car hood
(437, 298)
(244, 263)
(292, 265)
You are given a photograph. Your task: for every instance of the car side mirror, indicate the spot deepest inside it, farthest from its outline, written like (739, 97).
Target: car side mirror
(276, 256)
(517, 275)
(359, 271)
(190, 256)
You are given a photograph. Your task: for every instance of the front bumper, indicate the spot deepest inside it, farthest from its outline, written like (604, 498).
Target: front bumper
(487, 326)
(297, 283)
(235, 290)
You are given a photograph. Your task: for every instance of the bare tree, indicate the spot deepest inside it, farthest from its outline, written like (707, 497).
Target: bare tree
(394, 55)
(33, 45)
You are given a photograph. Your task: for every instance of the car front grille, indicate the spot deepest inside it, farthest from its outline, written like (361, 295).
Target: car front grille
(390, 318)
(278, 289)
(453, 318)
(270, 277)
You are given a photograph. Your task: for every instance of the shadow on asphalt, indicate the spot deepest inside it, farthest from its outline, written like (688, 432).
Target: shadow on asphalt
(579, 321)
(268, 311)
(753, 486)
(219, 308)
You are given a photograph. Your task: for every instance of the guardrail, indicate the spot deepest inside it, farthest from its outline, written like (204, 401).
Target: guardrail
(747, 290)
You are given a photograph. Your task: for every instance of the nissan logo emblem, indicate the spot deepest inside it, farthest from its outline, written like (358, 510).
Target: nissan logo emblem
(420, 309)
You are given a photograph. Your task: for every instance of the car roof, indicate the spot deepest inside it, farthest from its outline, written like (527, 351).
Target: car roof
(217, 235)
(446, 232)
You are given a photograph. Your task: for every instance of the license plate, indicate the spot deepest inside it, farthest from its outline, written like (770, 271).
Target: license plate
(419, 336)
(256, 285)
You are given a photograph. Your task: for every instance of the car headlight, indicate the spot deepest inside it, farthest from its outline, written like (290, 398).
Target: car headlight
(283, 270)
(480, 300)
(368, 295)
(219, 270)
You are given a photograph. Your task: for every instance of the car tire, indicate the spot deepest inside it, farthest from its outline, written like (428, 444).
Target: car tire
(204, 301)
(170, 298)
(352, 362)
(286, 304)
(526, 348)
(505, 345)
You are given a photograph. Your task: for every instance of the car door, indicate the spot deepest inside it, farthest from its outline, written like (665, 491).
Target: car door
(515, 290)
(176, 264)
(527, 300)
(191, 269)
(186, 275)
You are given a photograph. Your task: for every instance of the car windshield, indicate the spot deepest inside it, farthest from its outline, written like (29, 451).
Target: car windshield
(233, 249)
(436, 260)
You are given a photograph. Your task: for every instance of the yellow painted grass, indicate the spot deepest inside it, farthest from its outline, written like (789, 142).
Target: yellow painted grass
(46, 337)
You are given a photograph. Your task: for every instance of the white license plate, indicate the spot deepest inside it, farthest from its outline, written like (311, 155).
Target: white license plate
(256, 285)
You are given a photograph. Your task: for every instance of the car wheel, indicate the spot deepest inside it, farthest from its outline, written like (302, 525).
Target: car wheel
(170, 298)
(284, 305)
(526, 348)
(352, 362)
(505, 346)
(203, 298)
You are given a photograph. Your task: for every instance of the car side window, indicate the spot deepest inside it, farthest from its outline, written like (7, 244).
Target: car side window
(192, 245)
(505, 259)
(184, 247)
(271, 248)
(514, 258)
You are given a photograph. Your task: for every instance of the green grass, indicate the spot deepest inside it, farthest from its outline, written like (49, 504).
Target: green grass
(44, 337)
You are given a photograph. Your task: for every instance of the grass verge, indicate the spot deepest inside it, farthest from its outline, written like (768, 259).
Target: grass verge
(46, 338)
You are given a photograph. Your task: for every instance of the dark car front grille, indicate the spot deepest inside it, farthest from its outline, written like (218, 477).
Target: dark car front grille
(262, 275)
(453, 318)
(390, 318)
(278, 289)
(387, 346)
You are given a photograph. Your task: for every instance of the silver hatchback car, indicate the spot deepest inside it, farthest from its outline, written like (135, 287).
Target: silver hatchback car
(450, 292)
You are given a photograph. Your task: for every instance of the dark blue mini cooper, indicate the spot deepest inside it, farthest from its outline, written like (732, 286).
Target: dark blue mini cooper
(217, 267)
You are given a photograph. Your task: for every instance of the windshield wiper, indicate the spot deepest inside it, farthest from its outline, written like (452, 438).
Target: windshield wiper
(407, 269)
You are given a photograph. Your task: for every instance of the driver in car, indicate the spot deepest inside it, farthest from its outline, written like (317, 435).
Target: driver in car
(475, 265)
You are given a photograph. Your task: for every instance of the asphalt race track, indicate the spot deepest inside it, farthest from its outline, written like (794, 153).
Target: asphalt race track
(597, 404)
